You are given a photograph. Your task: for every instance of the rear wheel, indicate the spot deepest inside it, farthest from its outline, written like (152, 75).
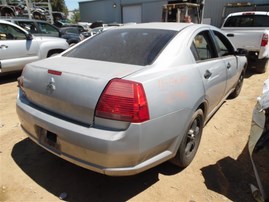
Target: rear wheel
(262, 65)
(52, 53)
(190, 142)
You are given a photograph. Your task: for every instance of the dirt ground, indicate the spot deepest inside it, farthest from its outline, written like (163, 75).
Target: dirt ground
(221, 170)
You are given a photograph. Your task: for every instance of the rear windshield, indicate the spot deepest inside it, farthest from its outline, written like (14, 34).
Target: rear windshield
(128, 46)
(247, 21)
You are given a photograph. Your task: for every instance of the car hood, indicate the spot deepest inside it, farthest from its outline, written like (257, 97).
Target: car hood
(70, 87)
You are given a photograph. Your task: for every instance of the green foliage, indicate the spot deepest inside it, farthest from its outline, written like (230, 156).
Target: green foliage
(59, 5)
(76, 16)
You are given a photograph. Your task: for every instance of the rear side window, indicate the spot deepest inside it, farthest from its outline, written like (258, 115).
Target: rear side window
(202, 47)
(29, 26)
(128, 46)
(48, 29)
(247, 21)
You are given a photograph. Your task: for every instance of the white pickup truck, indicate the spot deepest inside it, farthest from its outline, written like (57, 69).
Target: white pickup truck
(18, 47)
(250, 31)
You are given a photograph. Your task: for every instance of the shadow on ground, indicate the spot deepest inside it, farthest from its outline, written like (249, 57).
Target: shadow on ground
(58, 176)
(231, 177)
(8, 78)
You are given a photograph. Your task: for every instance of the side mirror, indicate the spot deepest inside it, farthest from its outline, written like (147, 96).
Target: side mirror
(241, 52)
(29, 36)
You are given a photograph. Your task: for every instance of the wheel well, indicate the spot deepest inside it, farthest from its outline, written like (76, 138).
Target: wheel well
(203, 107)
(54, 51)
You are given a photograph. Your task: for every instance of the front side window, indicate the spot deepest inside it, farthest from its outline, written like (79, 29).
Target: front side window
(223, 44)
(128, 46)
(8, 32)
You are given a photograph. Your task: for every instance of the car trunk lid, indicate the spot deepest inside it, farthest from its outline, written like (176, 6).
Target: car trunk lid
(70, 87)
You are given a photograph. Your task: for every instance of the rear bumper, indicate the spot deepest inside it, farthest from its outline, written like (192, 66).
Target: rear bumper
(259, 54)
(104, 151)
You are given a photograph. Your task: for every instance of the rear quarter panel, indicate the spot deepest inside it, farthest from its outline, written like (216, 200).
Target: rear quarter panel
(174, 91)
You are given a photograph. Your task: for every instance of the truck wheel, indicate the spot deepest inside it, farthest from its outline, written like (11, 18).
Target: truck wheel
(262, 65)
(52, 53)
(190, 142)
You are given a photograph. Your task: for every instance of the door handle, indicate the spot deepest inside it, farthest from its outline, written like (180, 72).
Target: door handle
(3, 46)
(230, 35)
(207, 74)
(229, 65)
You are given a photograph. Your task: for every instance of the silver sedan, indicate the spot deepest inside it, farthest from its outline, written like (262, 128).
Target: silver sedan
(130, 98)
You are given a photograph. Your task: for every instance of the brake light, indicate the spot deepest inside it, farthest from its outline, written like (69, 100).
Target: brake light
(54, 72)
(123, 100)
(264, 40)
(249, 13)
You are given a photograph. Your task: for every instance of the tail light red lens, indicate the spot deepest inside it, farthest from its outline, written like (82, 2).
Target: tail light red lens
(264, 40)
(123, 100)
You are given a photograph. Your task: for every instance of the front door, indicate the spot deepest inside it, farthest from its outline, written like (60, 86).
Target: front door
(15, 49)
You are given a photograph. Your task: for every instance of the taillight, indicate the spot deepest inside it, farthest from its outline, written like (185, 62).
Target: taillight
(123, 100)
(264, 40)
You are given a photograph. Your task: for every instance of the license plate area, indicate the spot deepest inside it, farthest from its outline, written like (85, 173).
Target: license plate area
(48, 139)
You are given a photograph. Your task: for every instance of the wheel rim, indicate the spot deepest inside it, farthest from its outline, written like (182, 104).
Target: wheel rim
(193, 137)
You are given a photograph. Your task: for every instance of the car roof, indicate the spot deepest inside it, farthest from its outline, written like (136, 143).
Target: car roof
(8, 22)
(248, 12)
(27, 19)
(174, 26)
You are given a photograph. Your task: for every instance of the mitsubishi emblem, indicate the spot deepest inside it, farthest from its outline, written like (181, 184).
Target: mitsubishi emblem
(51, 87)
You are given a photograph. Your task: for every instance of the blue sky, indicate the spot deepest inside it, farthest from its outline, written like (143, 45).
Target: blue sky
(72, 4)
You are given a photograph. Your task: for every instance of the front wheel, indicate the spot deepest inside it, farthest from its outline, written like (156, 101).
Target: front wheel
(238, 86)
(190, 142)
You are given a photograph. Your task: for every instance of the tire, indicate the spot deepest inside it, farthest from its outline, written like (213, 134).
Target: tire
(262, 65)
(190, 142)
(238, 86)
(72, 44)
(52, 53)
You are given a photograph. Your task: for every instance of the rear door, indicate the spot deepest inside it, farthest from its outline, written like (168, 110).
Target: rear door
(15, 49)
(213, 71)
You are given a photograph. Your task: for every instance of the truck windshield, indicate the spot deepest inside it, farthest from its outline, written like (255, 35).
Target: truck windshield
(247, 21)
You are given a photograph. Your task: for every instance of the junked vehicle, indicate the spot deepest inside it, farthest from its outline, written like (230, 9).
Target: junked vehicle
(36, 27)
(71, 34)
(18, 47)
(250, 31)
(142, 97)
(258, 145)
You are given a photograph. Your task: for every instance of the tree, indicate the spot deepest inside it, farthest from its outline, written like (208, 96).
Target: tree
(76, 16)
(59, 5)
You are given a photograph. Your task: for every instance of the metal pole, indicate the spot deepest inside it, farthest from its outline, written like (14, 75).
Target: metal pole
(28, 9)
(50, 12)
